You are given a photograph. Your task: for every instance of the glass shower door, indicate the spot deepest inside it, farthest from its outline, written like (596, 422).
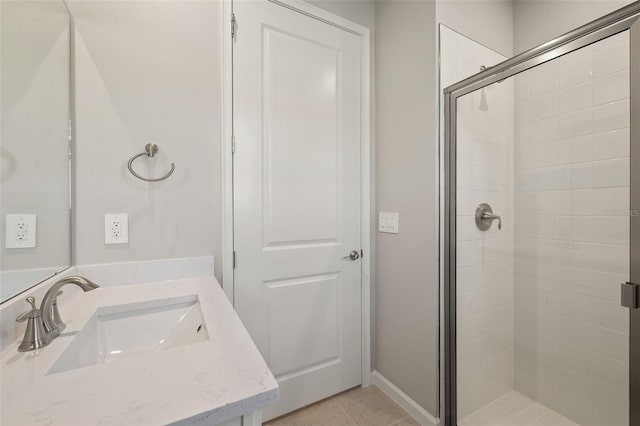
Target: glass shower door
(544, 228)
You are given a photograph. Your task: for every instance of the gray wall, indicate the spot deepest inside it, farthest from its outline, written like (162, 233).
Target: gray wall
(407, 280)
(406, 308)
(120, 109)
(147, 72)
(538, 21)
(359, 11)
(489, 22)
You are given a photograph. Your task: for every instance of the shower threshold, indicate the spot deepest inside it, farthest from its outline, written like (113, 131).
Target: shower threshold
(512, 409)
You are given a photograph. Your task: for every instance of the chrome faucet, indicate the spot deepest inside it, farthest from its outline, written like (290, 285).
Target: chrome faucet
(47, 318)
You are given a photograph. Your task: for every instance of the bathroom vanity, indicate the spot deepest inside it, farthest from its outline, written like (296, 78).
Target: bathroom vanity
(155, 341)
(170, 352)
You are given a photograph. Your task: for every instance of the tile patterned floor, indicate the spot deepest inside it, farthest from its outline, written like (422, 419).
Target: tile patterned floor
(356, 407)
(515, 409)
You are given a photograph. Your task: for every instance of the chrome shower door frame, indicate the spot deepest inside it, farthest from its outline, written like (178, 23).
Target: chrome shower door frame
(626, 18)
(634, 320)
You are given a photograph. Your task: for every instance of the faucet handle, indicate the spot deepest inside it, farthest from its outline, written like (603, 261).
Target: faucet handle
(32, 301)
(34, 336)
(33, 313)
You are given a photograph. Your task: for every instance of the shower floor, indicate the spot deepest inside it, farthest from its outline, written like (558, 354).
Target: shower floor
(515, 409)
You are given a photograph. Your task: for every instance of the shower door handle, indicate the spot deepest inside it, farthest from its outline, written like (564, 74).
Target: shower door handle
(630, 295)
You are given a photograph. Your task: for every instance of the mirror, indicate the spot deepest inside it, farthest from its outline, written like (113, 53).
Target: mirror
(34, 143)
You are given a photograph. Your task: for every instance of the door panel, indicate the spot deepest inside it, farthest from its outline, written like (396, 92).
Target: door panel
(300, 105)
(300, 345)
(297, 199)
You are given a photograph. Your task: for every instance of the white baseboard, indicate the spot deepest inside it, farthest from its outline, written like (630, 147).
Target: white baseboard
(419, 414)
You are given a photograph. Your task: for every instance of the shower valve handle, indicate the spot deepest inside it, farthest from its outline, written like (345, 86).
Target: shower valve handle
(485, 217)
(491, 217)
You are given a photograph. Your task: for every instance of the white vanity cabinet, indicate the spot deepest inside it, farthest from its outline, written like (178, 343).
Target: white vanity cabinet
(252, 419)
(238, 421)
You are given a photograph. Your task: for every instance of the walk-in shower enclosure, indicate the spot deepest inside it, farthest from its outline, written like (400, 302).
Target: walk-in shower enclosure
(542, 233)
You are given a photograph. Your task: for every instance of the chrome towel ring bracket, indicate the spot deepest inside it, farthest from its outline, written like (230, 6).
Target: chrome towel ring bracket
(150, 150)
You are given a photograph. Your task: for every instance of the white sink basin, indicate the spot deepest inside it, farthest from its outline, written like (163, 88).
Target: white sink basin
(119, 331)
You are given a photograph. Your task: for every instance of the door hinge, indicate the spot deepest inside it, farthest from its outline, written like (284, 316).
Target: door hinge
(233, 26)
(629, 295)
(233, 144)
(234, 260)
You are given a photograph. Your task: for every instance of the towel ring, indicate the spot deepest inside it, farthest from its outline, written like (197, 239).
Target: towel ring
(151, 149)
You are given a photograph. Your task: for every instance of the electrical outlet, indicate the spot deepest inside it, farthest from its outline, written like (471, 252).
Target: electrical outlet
(20, 231)
(116, 228)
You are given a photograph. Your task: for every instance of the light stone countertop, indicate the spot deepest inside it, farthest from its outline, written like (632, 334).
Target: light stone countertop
(203, 383)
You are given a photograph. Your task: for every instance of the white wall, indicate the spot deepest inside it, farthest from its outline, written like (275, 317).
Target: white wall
(536, 22)
(148, 72)
(406, 307)
(572, 233)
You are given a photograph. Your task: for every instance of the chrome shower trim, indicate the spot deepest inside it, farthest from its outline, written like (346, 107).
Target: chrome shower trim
(634, 273)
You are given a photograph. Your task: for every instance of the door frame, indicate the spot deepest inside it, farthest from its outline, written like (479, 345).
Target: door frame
(367, 160)
(626, 18)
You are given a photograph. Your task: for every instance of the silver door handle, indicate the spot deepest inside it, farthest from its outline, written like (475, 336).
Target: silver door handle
(354, 255)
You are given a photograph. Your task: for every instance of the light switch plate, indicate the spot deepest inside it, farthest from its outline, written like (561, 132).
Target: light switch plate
(20, 231)
(116, 228)
(388, 222)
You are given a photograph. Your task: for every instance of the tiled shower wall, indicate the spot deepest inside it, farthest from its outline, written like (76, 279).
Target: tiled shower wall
(485, 259)
(571, 201)
(538, 302)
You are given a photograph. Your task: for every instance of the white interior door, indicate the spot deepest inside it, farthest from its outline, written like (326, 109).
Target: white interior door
(296, 103)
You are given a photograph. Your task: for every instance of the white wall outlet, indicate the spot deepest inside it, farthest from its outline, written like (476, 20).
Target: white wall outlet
(116, 228)
(388, 222)
(20, 231)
